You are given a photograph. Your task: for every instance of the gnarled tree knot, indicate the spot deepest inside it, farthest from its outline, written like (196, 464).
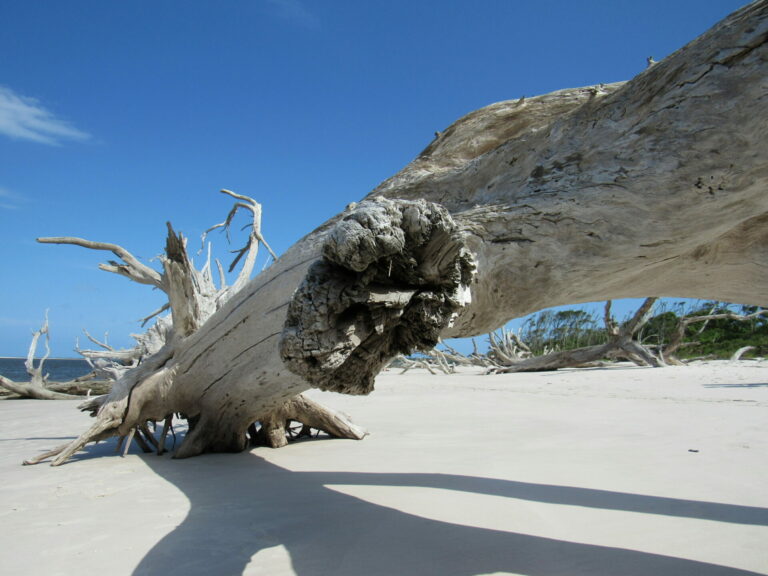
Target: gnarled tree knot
(393, 275)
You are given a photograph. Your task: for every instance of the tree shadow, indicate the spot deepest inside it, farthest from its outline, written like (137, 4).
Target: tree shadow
(247, 504)
(755, 385)
(34, 438)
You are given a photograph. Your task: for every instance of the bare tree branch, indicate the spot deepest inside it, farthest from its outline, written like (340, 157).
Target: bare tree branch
(251, 248)
(132, 267)
(668, 353)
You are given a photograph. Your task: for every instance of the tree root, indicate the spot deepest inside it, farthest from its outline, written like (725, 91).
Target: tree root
(99, 431)
(274, 431)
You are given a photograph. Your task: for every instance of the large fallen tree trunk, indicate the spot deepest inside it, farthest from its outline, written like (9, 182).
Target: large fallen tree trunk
(193, 298)
(654, 187)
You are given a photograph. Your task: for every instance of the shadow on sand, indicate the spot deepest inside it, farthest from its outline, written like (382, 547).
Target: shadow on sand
(245, 504)
(756, 385)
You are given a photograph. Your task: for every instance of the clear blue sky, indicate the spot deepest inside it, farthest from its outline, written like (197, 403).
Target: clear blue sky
(118, 116)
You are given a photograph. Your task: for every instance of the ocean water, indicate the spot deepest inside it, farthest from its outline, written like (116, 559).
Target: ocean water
(58, 369)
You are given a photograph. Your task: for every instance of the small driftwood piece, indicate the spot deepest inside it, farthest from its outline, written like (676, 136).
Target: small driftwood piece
(38, 387)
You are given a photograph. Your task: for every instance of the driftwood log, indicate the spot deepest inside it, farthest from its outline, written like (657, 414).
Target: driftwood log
(653, 187)
(38, 386)
(621, 343)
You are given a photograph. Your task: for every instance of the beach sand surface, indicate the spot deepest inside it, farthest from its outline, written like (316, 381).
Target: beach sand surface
(620, 471)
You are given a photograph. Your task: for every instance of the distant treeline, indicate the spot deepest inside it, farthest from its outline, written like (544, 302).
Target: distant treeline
(550, 330)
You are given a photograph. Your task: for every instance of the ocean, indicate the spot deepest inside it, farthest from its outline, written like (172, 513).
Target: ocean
(58, 369)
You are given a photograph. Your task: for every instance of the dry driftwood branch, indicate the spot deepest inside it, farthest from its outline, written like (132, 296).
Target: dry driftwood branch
(407, 363)
(29, 390)
(444, 360)
(651, 187)
(427, 363)
(736, 356)
(682, 324)
(37, 387)
(621, 343)
(164, 308)
(506, 349)
(131, 267)
(455, 358)
(251, 248)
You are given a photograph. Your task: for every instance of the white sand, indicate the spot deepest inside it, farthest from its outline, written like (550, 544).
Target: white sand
(621, 472)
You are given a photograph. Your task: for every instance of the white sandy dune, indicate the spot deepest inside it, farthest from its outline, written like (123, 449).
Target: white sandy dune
(613, 472)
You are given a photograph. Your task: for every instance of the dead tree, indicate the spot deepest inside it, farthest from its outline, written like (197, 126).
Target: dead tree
(506, 349)
(621, 343)
(38, 386)
(655, 186)
(669, 351)
(434, 361)
(193, 297)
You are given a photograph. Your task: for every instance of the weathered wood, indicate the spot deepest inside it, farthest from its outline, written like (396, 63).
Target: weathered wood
(620, 343)
(250, 250)
(393, 275)
(37, 388)
(651, 187)
(131, 268)
(72, 390)
(338, 329)
(82, 387)
(157, 383)
(736, 356)
(654, 187)
(29, 390)
(310, 414)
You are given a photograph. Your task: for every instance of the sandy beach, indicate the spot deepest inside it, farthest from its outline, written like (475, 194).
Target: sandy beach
(620, 471)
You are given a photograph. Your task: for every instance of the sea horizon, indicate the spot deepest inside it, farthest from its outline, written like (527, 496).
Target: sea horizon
(58, 369)
(47, 359)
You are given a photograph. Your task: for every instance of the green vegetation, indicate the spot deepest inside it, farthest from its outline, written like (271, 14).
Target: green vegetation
(718, 337)
(562, 330)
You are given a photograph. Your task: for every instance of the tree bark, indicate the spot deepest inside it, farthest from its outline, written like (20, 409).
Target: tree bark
(654, 187)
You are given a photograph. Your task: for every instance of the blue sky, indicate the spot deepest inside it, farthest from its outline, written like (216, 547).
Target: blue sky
(118, 116)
